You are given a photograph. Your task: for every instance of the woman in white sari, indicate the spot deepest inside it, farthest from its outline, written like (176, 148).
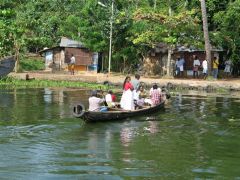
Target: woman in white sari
(127, 96)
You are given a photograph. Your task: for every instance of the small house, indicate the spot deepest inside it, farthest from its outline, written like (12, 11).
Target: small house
(156, 61)
(57, 58)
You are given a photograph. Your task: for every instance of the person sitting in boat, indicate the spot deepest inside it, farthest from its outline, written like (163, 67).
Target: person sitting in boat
(126, 102)
(110, 99)
(155, 95)
(158, 88)
(95, 103)
(165, 93)
(139, 97)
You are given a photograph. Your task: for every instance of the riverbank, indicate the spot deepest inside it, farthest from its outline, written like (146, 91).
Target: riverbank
(117, 79)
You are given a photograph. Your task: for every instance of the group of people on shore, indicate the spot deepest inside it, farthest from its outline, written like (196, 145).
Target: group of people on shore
(197, 64)
(134, 97)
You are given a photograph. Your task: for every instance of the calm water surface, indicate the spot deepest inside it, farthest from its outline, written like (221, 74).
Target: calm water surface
(194, 137)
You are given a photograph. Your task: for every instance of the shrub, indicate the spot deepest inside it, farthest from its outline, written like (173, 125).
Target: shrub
(31, 64)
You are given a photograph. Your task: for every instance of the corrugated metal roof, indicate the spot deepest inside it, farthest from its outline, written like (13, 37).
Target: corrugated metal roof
(193, 49)
(65, 42)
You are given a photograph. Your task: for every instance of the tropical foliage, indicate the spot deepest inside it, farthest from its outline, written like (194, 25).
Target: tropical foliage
(138, 25)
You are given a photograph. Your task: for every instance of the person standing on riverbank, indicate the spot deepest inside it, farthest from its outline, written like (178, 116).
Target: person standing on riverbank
(215, 67)
(72, 64)
(181, 66)
(227, 69)
(177, 67)
(196, 64)
(205, 68)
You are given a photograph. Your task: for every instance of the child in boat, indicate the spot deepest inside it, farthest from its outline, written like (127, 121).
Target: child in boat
(110, 99)
(139, 97)
(95, 103)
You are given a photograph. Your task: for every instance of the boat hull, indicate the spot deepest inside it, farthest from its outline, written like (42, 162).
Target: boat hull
(90, 116)
(6, 65)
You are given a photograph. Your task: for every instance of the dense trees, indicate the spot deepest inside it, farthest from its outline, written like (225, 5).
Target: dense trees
(138, 25)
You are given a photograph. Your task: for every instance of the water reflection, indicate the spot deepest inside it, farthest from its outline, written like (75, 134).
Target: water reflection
(126, 135)
(196, 137)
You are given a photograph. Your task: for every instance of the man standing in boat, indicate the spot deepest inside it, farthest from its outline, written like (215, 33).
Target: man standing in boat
(135, 82)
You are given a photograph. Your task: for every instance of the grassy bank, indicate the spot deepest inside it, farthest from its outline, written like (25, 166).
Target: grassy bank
(10, 83)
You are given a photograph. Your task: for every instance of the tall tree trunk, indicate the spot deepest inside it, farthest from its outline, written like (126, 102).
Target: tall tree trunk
(170, 47)
(206, 36)
(155, 5)
(17, 61)
(17, 55)
(137, 3)
(169, 67)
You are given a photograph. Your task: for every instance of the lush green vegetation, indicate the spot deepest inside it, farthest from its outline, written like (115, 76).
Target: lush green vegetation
(138, 25)
(10, 83)
(31, 64)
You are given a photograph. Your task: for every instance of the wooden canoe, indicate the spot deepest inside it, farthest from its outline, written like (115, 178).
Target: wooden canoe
(112, 115)
(6, 65)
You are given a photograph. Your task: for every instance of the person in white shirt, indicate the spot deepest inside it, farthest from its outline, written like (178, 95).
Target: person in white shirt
(95, 103)
(109, 99)
(72, 64)
(227, 69)
(196, 64)
(181, 66)
(139, 97)
(205, 68)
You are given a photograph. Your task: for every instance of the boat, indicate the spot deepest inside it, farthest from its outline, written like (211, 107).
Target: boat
(6, 65)
(112, 114)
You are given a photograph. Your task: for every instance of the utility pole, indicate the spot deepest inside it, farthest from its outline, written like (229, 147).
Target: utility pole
(110, 41)
(110, 35)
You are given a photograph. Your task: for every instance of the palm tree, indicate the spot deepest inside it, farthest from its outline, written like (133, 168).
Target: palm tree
(206, 36)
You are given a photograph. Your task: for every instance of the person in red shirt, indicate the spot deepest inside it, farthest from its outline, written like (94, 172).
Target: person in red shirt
(127, 84)
(127, 96)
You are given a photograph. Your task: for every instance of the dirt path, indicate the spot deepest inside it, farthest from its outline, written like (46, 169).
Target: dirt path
(229, 84)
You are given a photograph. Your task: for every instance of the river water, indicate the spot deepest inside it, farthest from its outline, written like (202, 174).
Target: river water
(196, 136)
